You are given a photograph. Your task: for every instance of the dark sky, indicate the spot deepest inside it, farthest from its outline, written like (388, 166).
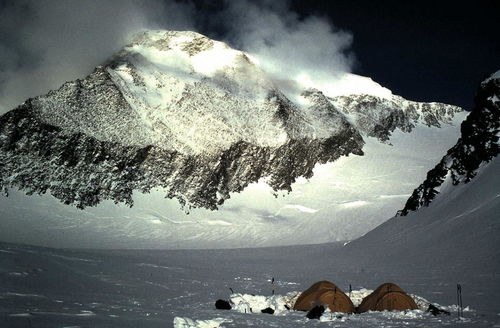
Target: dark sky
(423, 51)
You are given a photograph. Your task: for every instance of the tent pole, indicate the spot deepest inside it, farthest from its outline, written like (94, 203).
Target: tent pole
(459, 300)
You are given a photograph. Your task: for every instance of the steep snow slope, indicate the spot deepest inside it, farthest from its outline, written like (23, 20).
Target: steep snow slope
(184, 92)
(176, 114)
(460, 227)
(155, 116)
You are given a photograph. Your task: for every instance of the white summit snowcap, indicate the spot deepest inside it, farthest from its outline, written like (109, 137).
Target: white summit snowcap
(184, 50)
(194, 94)
(191, 51)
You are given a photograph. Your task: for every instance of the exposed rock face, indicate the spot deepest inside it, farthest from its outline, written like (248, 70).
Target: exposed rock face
(478, 144)
(157, 115)
(82, 170)
(378, 117)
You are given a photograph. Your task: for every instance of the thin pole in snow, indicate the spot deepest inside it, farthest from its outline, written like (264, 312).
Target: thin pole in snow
(459, 300)
(350, 290)
(272, 283)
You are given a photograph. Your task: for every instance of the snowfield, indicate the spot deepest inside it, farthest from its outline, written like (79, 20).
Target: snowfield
(45, 287)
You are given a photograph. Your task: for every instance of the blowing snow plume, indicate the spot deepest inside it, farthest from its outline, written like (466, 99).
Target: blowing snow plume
(310, 50)
(46, 43)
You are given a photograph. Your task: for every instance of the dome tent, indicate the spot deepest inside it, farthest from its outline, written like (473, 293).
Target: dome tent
(324, 293)
(388, 297)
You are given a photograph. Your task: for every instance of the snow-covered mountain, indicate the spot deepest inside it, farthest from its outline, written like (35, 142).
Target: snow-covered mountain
(177, 114)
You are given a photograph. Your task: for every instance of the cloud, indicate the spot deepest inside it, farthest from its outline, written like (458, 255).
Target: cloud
(287, 46)
(45, 43)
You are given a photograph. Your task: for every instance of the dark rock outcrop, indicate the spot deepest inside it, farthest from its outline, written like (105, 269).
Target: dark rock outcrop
(435, 311)
(478, 144)
(316, 312)
(267, 310)
(82, 170)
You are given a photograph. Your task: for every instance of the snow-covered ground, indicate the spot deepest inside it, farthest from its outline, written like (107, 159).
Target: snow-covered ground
(43, 287)
(346, 198)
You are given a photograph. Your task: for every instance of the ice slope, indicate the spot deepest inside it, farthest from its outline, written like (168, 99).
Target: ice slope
(183, 92)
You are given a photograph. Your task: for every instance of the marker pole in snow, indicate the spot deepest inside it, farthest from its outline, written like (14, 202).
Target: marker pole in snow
(272, 283)
(459, 300)
(350, 290)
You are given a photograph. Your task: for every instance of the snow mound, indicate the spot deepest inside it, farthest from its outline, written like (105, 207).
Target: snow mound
(357, 296)
(183, 322)
(347, 84)
(247, 303)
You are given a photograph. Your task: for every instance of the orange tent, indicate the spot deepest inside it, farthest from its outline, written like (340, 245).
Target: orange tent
(389, 297)
(324, 293)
